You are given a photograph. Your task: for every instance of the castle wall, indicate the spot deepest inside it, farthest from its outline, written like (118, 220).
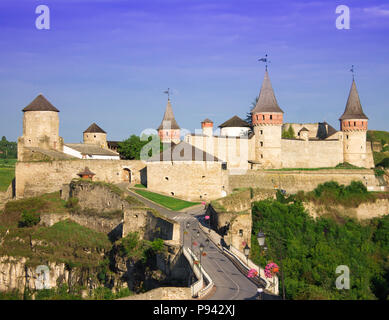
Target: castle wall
(311, 154)
(293, 181)
(34, 178)
(187, 180)
(236, 151)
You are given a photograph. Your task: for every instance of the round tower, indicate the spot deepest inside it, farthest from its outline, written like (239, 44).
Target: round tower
(353, 124)
(40, 126)
(95, 135)
(169, 131)
(267, 119)
(207, 127)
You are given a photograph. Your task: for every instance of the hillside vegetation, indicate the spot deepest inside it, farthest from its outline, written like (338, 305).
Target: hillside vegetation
(380, 158)
(313, 249)
(85, 252)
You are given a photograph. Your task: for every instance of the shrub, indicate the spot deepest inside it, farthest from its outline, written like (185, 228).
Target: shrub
(72, 205)
(29, 219)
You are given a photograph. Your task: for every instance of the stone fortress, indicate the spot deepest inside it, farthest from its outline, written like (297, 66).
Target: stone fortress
(204, 165)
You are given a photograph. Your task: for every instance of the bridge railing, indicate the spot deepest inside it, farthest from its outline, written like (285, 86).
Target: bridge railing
(271, 285)
(198, 290)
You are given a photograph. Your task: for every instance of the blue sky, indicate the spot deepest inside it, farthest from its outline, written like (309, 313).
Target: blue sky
(110, 61)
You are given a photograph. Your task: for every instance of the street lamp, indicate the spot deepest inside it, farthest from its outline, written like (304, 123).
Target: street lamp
(246, 251)
(201, 253)
(261, 241)
(260, 293)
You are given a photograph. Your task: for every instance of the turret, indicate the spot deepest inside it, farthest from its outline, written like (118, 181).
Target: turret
(207, 127)
(267, 119)
(353, 124)
(40, 127)
(95, 135)
(169, 131)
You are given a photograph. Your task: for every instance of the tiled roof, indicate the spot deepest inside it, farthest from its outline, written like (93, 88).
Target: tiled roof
(235, 121)
(168, 121)
(40, 103)
(267, 101)
(183, 152)
(353, 108)
(94, 128)
(91, 149)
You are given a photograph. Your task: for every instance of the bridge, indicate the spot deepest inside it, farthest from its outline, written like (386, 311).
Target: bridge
(222, 274)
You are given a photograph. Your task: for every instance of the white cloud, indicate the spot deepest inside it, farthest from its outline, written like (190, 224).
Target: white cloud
(377, 11)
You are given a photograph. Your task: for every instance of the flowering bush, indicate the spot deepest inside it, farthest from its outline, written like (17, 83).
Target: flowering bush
(203, 254)
(252, 273)
(271, 269)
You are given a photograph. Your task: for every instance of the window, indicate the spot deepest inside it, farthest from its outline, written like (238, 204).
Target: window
(167, 133)
(271, 117)
(263, 117)
(261, 131)
(261, 156)
(241, 232)
(203, 177)
(261, 143)
(224, 166)
(355, 123)
(95, 136)
(172, 193)
(257, 117)
(166, 178)
(346, 136)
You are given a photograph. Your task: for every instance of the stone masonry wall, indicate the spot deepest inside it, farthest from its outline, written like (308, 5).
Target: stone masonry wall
(34, 178)
(188, 180)
(311, 154)
(293, 181)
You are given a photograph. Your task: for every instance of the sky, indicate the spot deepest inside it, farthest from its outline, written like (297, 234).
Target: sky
(110, 61)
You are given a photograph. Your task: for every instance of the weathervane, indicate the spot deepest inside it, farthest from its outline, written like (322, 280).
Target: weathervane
(266, 60)
(352, 70)
(168, 92)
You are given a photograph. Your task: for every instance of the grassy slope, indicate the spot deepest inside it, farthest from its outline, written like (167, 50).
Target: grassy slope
(7, 173)
(383, 138)
(168, 202)
(63, 242)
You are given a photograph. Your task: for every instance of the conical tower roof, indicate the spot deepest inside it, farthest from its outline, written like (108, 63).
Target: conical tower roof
(40, 103)
(267, 101)
(168, 117)
(94, 128)
(353, 107)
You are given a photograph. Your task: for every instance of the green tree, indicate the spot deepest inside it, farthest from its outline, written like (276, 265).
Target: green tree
(248, 114)
(8, 150)
(131, 148)
(288, 134)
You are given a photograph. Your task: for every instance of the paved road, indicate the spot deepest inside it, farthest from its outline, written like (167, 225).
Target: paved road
(229, 282)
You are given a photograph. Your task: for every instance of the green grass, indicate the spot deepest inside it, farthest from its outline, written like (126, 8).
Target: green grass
(140, 186)
(7, 163)
(168, 202)
(6, 177)
(7, 173)
(340, 166)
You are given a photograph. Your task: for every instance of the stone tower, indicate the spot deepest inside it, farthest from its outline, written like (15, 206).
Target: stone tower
(95, 135)
(267, 119)
(40, 127)
(207, 126)
(169, 131)
(353, 124)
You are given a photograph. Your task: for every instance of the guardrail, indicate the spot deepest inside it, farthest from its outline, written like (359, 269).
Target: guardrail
(260, 280)
(198, 290)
